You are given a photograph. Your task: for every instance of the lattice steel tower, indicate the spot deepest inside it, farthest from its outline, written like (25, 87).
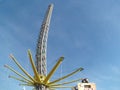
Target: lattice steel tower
(42, 45)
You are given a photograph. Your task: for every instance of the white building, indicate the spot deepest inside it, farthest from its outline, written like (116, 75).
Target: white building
(85, 86)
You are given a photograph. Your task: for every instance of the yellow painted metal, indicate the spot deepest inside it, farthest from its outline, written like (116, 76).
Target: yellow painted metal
(36, 75)
(80, 69)
(26, 73)
(53, 70)
(10, 68)
(40, 79)
(62, 87)
(19, 79)
(26, 84)
(66, 82)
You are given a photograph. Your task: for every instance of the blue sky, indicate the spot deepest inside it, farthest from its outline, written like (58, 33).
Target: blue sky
(85, 32)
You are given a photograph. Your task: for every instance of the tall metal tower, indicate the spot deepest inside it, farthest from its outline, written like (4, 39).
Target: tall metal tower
(42, 45)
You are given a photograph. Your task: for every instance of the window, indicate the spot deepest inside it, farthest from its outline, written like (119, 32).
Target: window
(87, 87)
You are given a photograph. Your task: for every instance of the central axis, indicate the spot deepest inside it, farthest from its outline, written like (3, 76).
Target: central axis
(42, 46)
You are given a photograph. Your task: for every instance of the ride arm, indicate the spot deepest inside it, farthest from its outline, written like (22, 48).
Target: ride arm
(26, 84)
(25, 72)
(33, 66)
(66, 82)
(19, 79)
(10, 68)
(61, 87)
(53, 70)
(80, 69)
